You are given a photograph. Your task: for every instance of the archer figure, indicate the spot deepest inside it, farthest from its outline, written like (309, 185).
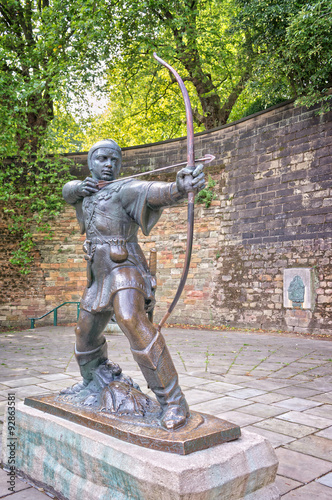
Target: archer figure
(119, 281)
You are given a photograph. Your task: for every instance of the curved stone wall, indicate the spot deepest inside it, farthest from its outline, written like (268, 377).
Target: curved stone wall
(271, 212)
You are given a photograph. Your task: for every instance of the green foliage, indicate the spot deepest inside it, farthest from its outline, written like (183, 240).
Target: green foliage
(48, 54)
(65, 134)
(31, 197)
(150, 109)
(207, 194)
(294, 45)
(236, 57)
(309, 53)
(50, 51)
(194, 37)
(260, 104)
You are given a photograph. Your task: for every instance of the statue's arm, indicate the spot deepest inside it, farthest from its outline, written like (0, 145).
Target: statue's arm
(75, 191)
(72, 195)
(163, 194)
(70, 192)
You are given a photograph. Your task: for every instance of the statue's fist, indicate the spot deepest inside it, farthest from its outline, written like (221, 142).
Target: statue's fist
(87, 187)
(191, 180)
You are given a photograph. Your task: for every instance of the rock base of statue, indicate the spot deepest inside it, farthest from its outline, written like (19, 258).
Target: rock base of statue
(74, 461)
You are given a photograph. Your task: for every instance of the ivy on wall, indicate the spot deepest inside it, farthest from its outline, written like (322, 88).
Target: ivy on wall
(31, 196)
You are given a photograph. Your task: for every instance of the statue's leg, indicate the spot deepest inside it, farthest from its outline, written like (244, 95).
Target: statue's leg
(151, 353)
(91, 347)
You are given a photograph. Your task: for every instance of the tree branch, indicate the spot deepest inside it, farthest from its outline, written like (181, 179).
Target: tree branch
(5, 16)
(198, 118)
(173, 79)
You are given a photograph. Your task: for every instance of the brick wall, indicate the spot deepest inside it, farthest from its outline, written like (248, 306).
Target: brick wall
(272, 211)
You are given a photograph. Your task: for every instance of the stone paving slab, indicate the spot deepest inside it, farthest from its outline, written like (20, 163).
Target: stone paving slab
(298, 404)
(268, 398)
(267, 385)
(313, 445)
(53, 377)
(284, 484)
(288, 428)
(319, 384)
(53, 386)
(326, 480)
(279, 386)
(323, 398)
(298, 392)
(326, 433)
(245, 393)
(193, 381)
(275, 438)
(4, 485)
(32, 390)
(305, 419)
(218, 405)
(300, 467)
(324, 410)
(262, 410)
(28, 494)
(195, 396)
(241, 419)
(219, 387)
(21, 382)
(309, 492)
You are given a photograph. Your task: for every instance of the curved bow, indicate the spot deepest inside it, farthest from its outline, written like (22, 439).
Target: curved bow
(191, 194)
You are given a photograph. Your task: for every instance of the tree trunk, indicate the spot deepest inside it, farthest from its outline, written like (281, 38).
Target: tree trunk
(36, 122)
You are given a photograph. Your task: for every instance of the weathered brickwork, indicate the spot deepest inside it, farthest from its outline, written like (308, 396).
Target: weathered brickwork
(248, 285)
(272, 211)
(19, 294)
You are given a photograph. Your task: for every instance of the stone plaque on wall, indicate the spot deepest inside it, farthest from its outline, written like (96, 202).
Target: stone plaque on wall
(298, 288)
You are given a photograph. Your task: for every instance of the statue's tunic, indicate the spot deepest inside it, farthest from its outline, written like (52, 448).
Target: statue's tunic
(111, 219)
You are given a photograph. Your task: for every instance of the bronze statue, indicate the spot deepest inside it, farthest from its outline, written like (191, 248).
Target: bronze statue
(118, 278)
(110, 211)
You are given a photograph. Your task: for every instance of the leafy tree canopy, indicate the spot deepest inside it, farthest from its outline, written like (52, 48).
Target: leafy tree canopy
(50, 53)
(236, 56)
(195, 37)
(294, 40)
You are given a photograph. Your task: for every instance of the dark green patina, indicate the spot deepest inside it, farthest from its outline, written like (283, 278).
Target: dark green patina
(296, 292)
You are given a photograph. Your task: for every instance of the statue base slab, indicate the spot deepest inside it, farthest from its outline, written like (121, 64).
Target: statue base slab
(74, 461)
(201, 431)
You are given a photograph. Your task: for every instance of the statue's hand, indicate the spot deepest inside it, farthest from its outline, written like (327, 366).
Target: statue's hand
(191, 180)
(87, 187)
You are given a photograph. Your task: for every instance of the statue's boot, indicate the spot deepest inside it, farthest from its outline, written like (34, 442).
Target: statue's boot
(158, 369)
(87, 361)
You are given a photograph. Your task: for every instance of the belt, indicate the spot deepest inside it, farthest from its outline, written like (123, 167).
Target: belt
(118, 250)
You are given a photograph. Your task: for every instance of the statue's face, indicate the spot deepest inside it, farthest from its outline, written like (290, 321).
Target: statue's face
(105, 164)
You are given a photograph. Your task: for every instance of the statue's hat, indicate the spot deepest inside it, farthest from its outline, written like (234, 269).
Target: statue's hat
(105, 143)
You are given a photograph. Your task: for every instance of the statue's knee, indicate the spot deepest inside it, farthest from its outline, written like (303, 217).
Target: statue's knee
(127, 322)
(78, 331)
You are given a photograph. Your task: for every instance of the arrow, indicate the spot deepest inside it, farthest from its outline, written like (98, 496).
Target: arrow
(206, 159)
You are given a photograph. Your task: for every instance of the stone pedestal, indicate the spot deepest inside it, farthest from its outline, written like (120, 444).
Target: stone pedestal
(78, 462)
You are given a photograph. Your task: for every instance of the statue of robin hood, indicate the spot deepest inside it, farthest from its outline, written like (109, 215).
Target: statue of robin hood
(119, 281)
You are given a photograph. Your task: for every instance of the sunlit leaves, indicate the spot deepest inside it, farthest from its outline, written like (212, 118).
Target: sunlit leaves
(294, 37)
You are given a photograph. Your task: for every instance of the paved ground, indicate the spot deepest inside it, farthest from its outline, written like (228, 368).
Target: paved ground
(275, 385)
